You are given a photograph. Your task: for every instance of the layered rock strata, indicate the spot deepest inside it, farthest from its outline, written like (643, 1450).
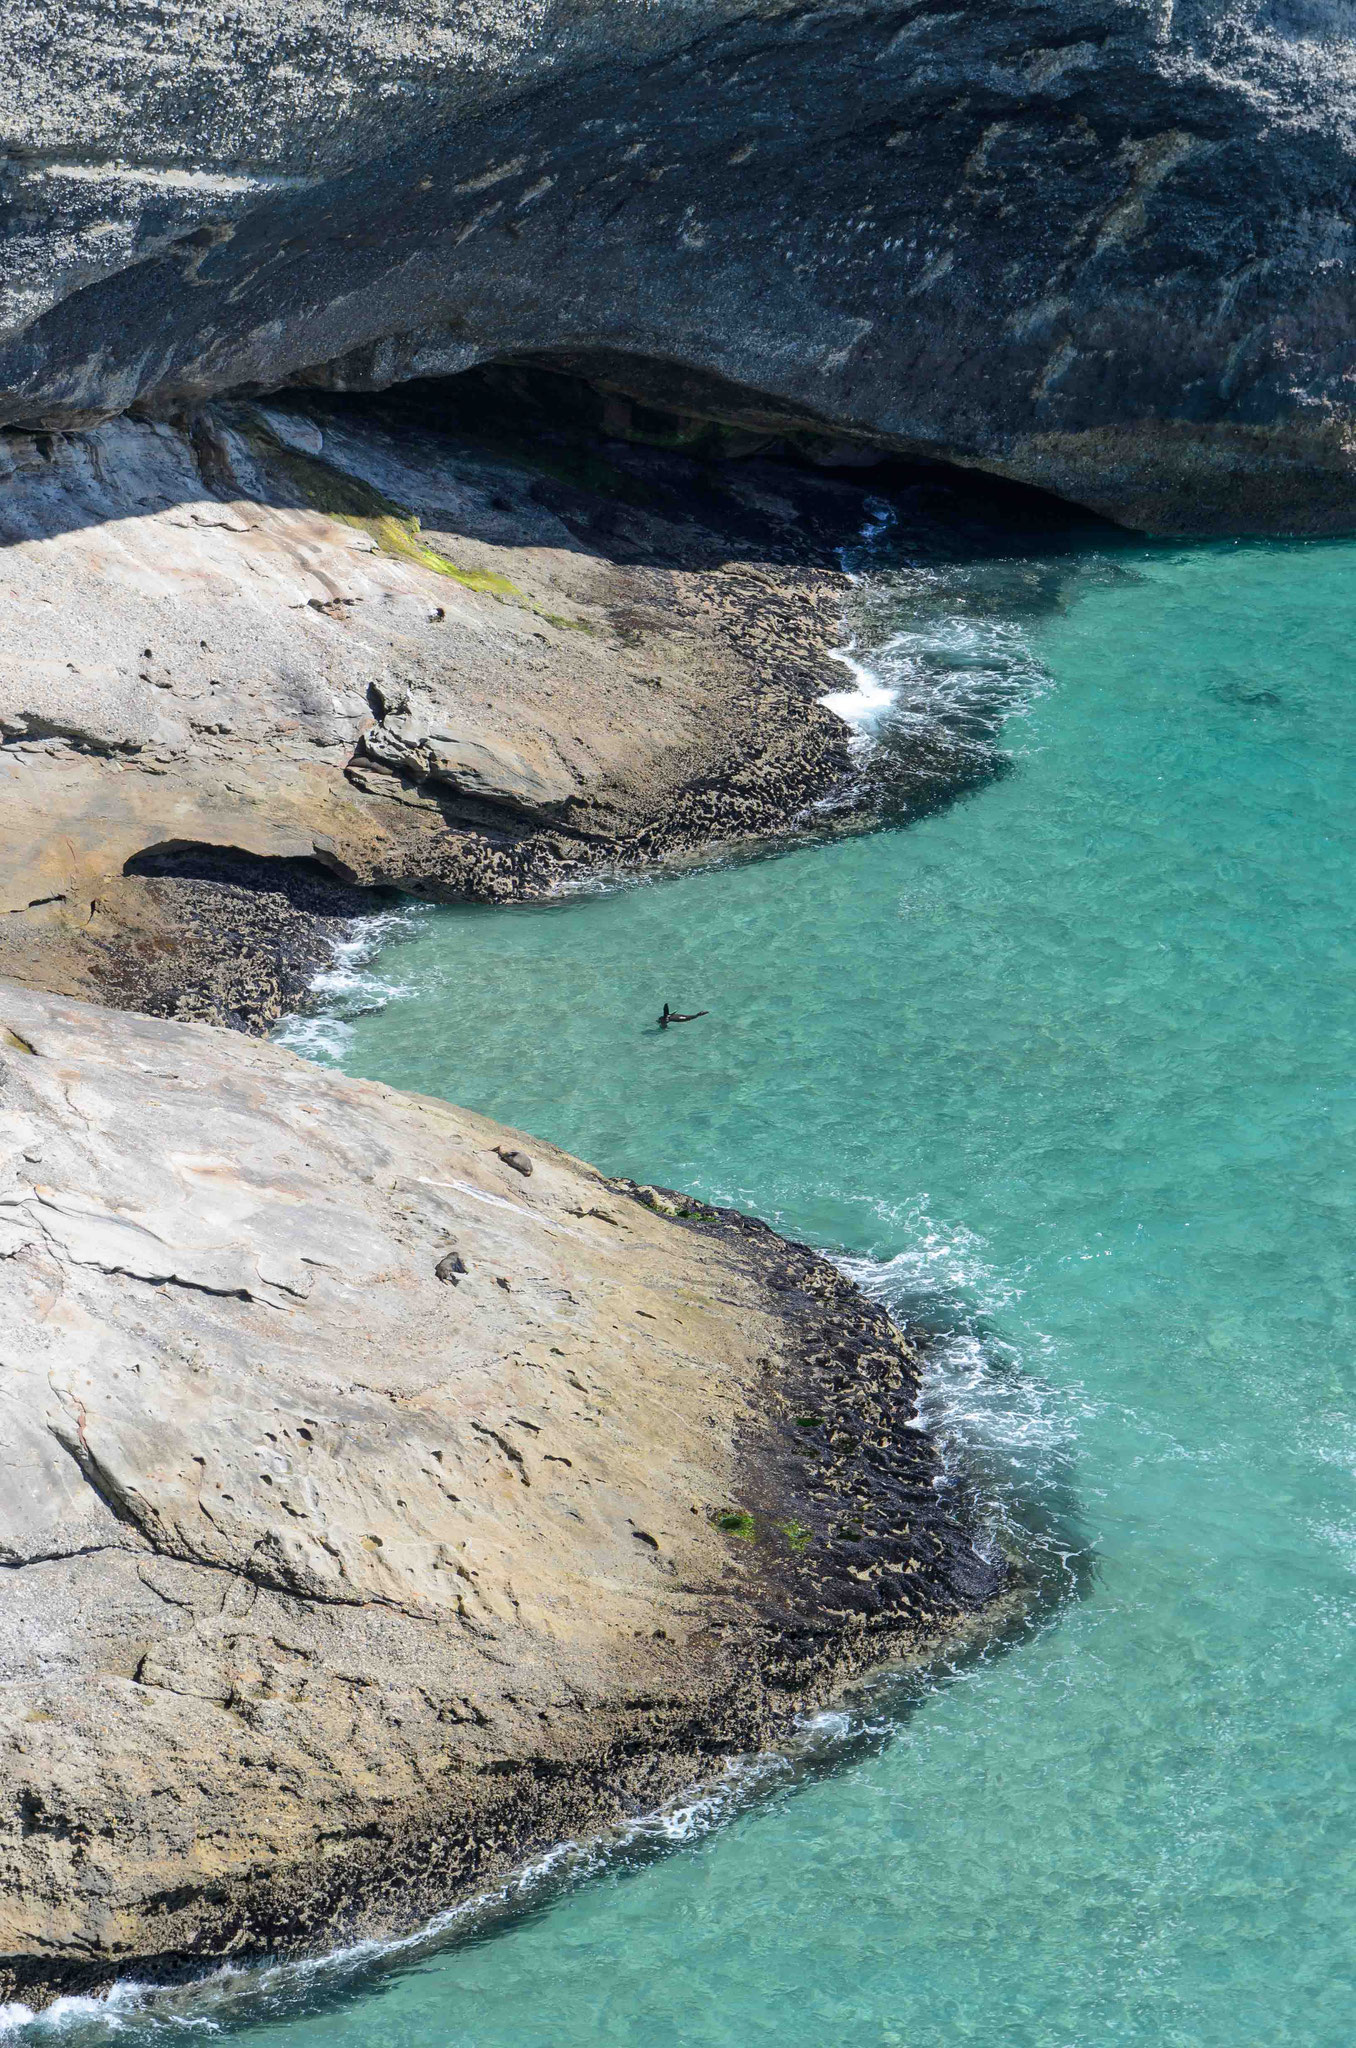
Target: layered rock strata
(267, 636)
(392, 1495)
(1106, 249)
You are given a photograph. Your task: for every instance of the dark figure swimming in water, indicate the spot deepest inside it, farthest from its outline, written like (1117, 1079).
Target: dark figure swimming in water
(672, 1017)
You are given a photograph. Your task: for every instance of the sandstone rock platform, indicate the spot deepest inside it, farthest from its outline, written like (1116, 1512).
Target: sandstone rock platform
(362, 644)
(377, 1513)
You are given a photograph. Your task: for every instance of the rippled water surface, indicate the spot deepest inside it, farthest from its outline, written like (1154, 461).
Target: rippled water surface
(1067, 1068)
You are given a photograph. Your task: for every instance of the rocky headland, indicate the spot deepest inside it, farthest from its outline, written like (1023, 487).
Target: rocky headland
(392, 1495)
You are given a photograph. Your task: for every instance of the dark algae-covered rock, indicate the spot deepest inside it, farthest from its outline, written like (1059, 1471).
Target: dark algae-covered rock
(855, 1548)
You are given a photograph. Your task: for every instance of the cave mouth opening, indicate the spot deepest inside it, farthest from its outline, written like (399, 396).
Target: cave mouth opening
(574, 405)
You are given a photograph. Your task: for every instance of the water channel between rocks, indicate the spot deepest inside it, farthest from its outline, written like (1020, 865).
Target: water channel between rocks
(1063, 1067)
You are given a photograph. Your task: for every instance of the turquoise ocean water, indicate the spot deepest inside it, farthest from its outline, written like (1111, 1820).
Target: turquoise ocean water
(1067, 1069)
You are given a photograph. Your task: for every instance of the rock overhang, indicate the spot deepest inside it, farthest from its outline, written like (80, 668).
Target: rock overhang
(1073, 247)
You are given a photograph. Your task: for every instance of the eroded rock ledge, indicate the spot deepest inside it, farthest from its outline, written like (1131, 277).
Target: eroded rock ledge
(406, 660)
(381, 1512)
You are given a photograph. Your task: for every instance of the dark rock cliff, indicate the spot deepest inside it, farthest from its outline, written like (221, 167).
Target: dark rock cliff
(1104, 249)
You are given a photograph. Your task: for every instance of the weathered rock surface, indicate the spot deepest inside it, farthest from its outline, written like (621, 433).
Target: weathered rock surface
(1104, 249)
(369, 646)
(377, 1512)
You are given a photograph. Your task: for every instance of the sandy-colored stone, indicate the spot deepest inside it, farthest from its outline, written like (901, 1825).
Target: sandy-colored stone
(362, 1523)
(375, 649)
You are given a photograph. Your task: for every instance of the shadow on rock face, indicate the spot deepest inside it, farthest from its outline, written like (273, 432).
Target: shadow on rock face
(658, 465)
(224, 936)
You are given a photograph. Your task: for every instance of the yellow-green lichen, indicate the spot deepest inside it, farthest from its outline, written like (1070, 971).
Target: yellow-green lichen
(394, 528)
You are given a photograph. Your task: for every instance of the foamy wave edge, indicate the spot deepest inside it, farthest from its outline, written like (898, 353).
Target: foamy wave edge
(232, 1993)
(349, 987)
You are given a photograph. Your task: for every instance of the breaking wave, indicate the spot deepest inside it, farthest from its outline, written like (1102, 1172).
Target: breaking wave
(353, 985)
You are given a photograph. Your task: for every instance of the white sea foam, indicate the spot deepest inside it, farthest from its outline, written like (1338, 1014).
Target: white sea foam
(351, 986)
(881, 518)
(970, 675)
(961, 662)
(869, 696)
(1006, 1431)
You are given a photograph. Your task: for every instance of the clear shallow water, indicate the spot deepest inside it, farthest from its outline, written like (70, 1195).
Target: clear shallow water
(1066, 1068)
